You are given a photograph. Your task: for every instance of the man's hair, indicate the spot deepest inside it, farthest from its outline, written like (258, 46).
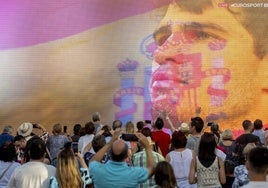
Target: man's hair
(8, 129)
(178, 139)
(98, 142)
(198, 123)
(37, 148)
(120, 157)
(140, 125)
(89, 128)
(258, 124)
(254, 20)
(258, 160)
(96, 116)
(146, 131)
(246, 124)
(159, 123)
(116, 124)
(18, 138)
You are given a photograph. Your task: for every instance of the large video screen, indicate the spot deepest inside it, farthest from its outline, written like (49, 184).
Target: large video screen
(137, 60)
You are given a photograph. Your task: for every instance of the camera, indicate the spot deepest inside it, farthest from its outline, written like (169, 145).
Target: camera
(129, 137)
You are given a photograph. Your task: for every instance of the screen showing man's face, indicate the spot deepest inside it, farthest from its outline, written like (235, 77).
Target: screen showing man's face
(208, 61)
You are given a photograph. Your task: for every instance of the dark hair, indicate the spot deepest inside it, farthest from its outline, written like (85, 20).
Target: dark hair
(258, 159)
(178, 139)
(258, 124)
(140, 125)
(106, 131)
(146, 132)
(207, 147)
(159, 123)
(18, 138)
(8, 152)
(198, 123)
(120, 157)
(116, 124)
(246, 124)
(89, 128)
(76, 129)
(98, 142)
(164, 175)
(36, 148)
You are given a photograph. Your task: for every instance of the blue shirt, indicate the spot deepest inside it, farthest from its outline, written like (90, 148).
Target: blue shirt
(5, 137)
(116, 174)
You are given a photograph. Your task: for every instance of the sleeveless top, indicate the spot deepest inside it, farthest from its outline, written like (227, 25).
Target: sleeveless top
(208, 177)
(181, 162)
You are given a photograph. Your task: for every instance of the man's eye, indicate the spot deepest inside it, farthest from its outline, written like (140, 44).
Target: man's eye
(202, 35)
(162, 39)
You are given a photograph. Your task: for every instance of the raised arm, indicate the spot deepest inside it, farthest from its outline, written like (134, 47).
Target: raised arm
(99, 155)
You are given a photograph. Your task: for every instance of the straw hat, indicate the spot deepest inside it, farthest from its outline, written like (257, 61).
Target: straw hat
(25, 129)
(184, 127)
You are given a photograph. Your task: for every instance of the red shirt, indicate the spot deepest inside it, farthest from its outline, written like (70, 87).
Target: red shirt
(163, 141)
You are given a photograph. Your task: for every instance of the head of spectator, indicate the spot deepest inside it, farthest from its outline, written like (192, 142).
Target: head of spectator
(119, 151)
(258, 124)
(67, 171)
(148, 134)
(184, 127)
(140, 125)
(20, 142)
(247, 126)
(57, 129)
(98, 142)
(6, 135)
(7, 152)
(178, 140)
(159, 123)
(164, 175)
(36, 149)
(117, 124)
(207, 147)
(248, 148)
(106, 131)
(214, 128)
(257, 163)
(227, 134)
(82, 131)
(25, 130)
(266, 138)
(89, 128)
(96, 117)
(76, 129)
(196, 125)
(129, 128)
(8, 129)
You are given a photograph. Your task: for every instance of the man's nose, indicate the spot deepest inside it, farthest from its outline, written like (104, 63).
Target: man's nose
(173, 49)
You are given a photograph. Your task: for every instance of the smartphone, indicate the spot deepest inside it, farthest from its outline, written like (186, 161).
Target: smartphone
(129, 137)
(209, 124)
(65, 129)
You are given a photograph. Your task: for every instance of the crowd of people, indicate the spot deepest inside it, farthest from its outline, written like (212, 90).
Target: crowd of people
(196, 154)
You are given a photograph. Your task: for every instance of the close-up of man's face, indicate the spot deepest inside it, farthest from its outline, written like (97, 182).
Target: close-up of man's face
(204, 60)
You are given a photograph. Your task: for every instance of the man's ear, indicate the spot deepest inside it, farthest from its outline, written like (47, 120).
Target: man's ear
(247, 165)
(263, 73)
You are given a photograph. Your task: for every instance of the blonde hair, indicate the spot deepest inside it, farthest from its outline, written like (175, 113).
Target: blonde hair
(247, 148)
(130, 127)
(67, 173)
(57, 129)
(227, 135)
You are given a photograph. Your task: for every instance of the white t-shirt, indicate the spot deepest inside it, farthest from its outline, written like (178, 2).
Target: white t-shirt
(84, 141)
(32, 175)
